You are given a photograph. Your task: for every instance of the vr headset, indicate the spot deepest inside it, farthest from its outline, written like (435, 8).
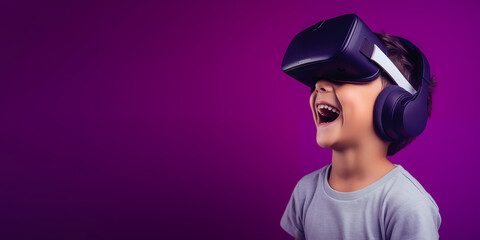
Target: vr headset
(344, 49)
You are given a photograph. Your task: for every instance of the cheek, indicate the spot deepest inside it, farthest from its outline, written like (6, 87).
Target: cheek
(358, 109)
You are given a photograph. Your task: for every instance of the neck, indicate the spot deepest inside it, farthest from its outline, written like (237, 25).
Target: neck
(357, 167)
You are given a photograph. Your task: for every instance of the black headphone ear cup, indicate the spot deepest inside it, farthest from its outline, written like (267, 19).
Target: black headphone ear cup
(388, 112)
(415, 112)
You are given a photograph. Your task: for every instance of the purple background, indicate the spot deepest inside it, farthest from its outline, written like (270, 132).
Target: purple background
(163, 120)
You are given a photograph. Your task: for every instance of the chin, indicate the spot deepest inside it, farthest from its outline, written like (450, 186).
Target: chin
(324, 142)
(327, 138)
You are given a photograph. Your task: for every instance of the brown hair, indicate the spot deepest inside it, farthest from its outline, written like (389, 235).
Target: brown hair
(407, 63)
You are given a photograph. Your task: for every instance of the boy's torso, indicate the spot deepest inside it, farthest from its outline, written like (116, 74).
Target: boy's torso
(362, 214)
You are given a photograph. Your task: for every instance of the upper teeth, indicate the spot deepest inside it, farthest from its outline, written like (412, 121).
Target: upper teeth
(327, 107)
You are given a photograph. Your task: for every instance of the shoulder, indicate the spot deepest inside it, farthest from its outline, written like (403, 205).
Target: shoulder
(407, 200)
(311, 180)
(293, 218)
(405, 189)
(308, 184)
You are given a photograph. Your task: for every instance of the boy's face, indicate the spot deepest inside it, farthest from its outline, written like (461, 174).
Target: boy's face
(354, 103)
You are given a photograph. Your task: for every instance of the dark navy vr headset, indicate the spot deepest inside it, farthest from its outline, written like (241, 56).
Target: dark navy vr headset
(344, 49)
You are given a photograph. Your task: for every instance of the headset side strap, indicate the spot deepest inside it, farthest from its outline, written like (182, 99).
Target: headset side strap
(373, 52)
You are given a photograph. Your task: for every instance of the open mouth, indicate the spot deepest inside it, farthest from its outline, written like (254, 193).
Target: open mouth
(327, 113)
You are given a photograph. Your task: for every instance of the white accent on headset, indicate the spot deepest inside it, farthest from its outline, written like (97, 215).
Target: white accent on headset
(379, 57)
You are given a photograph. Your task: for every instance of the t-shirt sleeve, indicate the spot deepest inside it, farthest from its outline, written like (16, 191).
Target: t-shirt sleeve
(415, 220)
(292, 220)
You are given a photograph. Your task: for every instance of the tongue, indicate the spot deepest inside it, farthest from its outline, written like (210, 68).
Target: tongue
(328, 116)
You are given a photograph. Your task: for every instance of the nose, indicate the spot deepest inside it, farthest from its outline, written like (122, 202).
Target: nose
(323, 86)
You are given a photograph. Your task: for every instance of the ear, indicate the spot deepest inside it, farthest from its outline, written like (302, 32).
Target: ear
(379, 113)
(388, 105)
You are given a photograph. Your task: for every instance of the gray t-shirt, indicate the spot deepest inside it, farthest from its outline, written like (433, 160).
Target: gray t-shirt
(394, 207)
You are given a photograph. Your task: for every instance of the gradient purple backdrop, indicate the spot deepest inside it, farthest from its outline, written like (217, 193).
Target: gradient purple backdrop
(173, 120)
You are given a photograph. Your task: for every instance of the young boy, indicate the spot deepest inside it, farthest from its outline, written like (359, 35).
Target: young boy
(361, 194)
